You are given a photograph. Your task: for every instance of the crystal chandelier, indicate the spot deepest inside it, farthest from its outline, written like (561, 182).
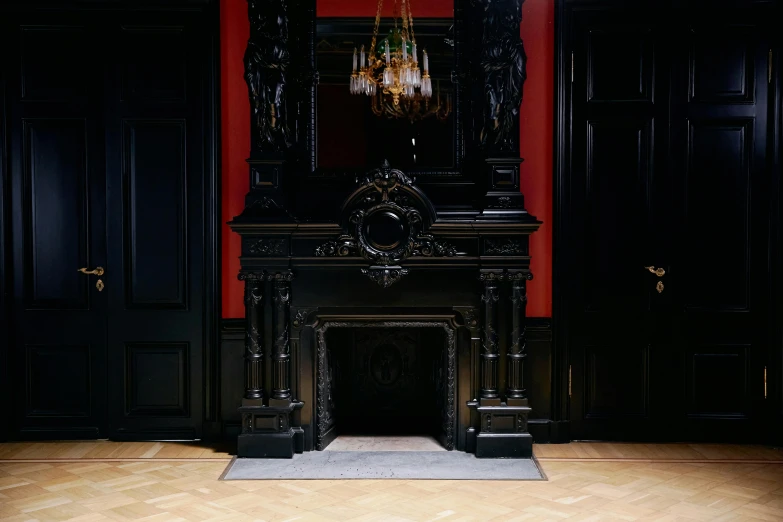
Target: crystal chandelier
(413, 109)
(394, 68)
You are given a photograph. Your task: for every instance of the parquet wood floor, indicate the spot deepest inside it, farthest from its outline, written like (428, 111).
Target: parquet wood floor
(99, 481)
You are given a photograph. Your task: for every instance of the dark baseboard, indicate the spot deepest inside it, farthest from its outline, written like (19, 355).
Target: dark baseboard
(231, 431)
(76, 433)
(212, 431)
(184, 433)
(232, 368)
(545, 431)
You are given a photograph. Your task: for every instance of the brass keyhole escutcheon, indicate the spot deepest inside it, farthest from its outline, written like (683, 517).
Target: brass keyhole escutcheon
(99, 285)
(659, 286)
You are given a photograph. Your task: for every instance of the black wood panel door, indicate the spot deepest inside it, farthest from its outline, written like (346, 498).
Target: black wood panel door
(108, 150)
(57, 357)
(617, 138)
(155, 147)
(666, 228)
(718, 184)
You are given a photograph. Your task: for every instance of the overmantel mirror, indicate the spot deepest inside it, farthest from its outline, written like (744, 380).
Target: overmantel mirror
(415, 133)
(363, 118)
(446, 80)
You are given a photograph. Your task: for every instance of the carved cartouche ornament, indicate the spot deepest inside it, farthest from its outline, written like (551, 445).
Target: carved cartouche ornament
(384, 221)
(504, 62)
(266, 60)
(385, 276)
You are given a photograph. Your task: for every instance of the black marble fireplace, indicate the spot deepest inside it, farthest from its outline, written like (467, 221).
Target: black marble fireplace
(379, 299)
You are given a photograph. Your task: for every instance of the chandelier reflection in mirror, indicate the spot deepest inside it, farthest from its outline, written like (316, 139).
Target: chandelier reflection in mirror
(391, 75)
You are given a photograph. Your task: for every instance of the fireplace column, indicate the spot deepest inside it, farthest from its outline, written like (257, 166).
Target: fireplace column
(254, 338)
(281, 347)
(503, 420)
(515, 362)
(490, 354)
(272, 430)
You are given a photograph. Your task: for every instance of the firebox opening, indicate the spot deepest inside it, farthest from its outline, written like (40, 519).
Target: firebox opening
(389, 381)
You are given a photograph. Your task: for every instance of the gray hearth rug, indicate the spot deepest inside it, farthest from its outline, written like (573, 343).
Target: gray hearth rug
(421, 465)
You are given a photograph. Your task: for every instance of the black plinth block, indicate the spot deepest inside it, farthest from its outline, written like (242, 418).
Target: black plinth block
(504, 431)
(264, 445)
(267, 432)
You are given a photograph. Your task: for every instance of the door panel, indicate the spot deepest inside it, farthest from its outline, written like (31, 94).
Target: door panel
(156, 183)
(155, 203)
(719, 180)
(717, 183)
(56, 212)
(57, 358)
(611, 228)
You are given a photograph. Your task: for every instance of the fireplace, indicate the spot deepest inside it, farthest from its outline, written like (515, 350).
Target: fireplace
(377, 298)
(386, 377)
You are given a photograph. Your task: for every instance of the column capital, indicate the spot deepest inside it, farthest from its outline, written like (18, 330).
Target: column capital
(491, 274)
(259, 275)
(519, 275)
(280, 276)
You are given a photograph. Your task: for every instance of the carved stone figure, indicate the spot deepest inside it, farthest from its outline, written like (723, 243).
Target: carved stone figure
(503, 61)
(266, 61)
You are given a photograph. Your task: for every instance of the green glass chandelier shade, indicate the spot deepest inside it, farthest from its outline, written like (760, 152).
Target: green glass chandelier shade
(395, 44)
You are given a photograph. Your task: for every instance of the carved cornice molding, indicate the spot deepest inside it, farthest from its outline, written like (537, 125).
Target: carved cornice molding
(263, 275)
(504, 247)
(266, 247)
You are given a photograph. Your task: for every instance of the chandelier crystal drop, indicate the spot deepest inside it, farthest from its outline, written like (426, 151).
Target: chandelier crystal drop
(392, 67)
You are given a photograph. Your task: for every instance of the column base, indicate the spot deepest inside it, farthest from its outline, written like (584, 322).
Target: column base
(267, 432)
(503, 431)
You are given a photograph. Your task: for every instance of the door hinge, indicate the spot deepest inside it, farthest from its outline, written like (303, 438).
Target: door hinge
(769, 67)
(765, 382)
(572, 66)
(569, 381)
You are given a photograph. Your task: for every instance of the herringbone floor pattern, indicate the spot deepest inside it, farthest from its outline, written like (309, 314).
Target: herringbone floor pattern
(94, 481)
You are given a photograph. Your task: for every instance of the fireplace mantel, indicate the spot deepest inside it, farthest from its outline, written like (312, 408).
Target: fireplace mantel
(388, 261)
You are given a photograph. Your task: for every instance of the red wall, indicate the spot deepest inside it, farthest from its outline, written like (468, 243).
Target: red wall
(535, 131)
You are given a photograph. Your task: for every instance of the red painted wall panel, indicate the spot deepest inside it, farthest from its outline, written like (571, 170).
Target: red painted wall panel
(535, 131)
(235, 146)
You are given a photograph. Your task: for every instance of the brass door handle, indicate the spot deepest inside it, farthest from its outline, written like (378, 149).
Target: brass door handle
(660, 272)
(98, 271)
